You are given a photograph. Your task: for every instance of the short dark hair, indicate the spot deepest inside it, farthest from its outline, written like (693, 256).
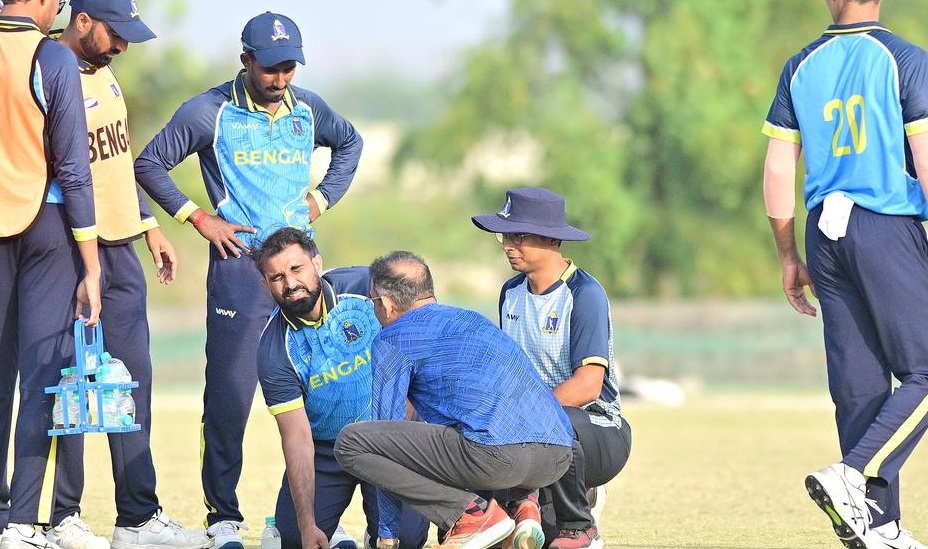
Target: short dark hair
(404, 277)
(280, 239)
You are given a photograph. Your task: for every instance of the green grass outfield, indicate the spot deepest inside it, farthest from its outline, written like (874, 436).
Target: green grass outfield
(723, 471)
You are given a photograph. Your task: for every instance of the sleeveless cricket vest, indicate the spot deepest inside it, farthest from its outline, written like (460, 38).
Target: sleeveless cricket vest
(114, 191)
(25, 172)
(333, 362)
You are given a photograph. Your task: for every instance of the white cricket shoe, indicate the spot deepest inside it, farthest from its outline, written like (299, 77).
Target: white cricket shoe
(159, 532)
(73, 533)
(224, 534)
(840, 491)
(342, 539)
(24, 536)
(892, 536)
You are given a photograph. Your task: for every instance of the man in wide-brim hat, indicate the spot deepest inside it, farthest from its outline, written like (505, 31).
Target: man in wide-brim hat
(560, 316)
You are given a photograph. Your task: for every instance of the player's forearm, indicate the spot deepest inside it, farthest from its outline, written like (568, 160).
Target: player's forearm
(90, 257)
(784, 235)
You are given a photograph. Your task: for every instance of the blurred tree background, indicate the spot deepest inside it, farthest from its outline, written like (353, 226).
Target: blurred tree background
(646, 116)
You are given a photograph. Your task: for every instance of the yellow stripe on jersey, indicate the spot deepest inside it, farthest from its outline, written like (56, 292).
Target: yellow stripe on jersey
(184, 212)
(47, 493)
(149, 223)
(295, 404)
(856, 30)
(85, 233)
(320, 200)
(598, 360)
(783, 134)
(917, 127)
(872, 469)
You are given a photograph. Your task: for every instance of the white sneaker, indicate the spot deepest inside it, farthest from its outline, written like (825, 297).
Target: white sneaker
(342, 540)
(597, 500)
(224, 534)
(24, 536)
(159, 532)
(73, 533)
(840, 491)
(892, 536)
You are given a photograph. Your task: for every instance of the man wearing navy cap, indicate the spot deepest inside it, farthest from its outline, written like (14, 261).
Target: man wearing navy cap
(560, 316)
(98, 31)
(254, 137)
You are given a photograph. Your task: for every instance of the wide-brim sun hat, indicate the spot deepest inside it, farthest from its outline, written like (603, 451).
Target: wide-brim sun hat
(532, 210)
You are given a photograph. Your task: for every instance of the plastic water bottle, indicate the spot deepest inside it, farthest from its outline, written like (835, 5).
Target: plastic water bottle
(270, 537)
(68, 377)
(118, 404)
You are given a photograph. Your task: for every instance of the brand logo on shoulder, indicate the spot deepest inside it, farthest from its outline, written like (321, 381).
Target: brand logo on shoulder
(91, 102)
(280, 32)
(351, 332)
(116, 92)
(512, 317)
(551, 323)
(226, 312)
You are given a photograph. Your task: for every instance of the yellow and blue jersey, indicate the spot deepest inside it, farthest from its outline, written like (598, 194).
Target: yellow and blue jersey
(853, 124)
(323, 367)
(256, 165)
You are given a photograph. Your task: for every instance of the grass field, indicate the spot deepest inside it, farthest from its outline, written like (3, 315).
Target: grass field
(723, 471)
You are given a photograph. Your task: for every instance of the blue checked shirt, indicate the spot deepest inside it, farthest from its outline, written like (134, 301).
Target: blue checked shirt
(458, 369)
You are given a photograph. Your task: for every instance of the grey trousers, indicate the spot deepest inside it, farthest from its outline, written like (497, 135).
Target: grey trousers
(436, 470)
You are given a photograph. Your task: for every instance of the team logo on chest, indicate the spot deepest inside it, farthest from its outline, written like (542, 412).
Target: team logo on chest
(351, 332)
(298, 127)
(551, 324)
(116, 92)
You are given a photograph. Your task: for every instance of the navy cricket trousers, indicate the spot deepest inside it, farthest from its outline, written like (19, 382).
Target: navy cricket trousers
(334, 490)
(39, 271)
(126, 337)
(872, 285)
(237, 309)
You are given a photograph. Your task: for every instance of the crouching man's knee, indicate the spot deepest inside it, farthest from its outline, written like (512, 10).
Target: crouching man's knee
(348, 446)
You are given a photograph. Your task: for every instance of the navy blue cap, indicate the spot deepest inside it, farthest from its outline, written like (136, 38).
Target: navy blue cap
(121, 15)
(532, 210)
(273, 38)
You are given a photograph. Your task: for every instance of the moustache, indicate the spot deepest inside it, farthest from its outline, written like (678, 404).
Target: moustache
(289, 291)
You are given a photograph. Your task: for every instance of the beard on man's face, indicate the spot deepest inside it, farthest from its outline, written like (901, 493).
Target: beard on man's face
(301, 306)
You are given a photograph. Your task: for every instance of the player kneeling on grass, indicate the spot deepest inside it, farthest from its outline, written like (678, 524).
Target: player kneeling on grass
(489, 422)
(315, 373)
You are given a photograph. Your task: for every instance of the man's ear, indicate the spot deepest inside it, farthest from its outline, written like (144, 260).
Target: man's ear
(265, 283)
(317, 263)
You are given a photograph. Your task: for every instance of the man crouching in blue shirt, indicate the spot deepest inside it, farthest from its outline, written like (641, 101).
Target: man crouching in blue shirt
(489, 422)
(315, 373)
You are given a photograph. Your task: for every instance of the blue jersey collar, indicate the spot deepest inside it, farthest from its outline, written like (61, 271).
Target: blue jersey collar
(854, 28)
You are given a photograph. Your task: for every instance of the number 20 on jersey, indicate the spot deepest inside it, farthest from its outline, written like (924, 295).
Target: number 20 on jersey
(852, 112)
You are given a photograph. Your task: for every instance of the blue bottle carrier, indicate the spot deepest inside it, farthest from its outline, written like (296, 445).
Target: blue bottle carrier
(88, 350)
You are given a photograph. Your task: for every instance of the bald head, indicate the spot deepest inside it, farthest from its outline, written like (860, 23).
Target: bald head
(403, 277)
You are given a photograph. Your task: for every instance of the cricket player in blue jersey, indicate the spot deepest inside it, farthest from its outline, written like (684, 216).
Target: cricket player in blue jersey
(314, 367)
(561, 317)
(855, 101)
(489, 422)
(47, 230)
(254, 136)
